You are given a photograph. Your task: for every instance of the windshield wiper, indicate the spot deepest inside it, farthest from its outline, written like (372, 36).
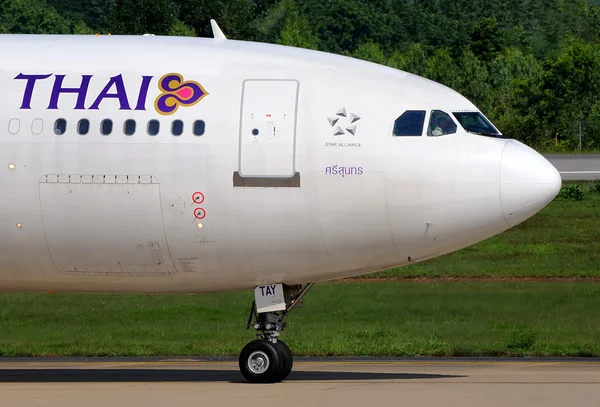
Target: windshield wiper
(484, 133)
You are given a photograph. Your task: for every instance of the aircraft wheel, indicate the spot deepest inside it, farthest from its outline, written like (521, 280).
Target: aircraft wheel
(261, 362)
(287, 358)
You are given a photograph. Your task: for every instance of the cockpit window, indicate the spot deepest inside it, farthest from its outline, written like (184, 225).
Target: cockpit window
(440, 123)
(475, 122)
(410, 123)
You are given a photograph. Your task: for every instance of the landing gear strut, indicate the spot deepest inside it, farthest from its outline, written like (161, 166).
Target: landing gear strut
(268, 359)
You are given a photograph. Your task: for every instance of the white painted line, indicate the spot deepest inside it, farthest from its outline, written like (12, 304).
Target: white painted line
(579, 172)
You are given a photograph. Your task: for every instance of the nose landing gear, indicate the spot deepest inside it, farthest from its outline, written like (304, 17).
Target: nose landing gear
(268, 359)
(262, 361)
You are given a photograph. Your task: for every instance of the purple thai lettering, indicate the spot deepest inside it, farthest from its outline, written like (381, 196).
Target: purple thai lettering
(343, 170)
(31, 79)
(58, 89)
(141, 102)
(121, 94)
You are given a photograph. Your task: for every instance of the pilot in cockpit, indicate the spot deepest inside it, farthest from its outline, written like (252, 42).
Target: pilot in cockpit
(442, 126)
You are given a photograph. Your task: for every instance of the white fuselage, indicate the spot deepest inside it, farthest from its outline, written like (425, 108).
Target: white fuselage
(296, 177)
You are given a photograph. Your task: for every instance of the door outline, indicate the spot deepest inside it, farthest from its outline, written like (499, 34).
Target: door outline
(294, 174)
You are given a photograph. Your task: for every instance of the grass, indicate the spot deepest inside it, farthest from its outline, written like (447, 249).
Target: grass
(375, 318)
(563, 240)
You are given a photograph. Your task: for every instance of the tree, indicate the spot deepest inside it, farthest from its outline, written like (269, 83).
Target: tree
(442, 68)
(144, 16)
(180, 29)
(31, 17)
(297, 31)
(569, 87)
(474, 83)
(269, 26)
(415, 60)
(94, 13)
(343, 25)
(370, 52)
(235, 17)
(81, 28)
(510, 73)
(486, 39)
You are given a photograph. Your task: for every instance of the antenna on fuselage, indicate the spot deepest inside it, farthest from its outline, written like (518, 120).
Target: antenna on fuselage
(217, 33)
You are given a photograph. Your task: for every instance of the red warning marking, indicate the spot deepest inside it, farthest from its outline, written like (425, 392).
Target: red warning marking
(199, 213)
(268, 114)
(198, 197)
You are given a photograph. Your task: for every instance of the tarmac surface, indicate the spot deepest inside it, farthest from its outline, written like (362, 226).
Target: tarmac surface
(576, 167)
(426, 382)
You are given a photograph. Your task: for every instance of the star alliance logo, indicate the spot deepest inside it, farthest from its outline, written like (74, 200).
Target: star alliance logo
(344, 122)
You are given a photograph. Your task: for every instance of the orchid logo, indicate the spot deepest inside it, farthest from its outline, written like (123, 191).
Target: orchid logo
(176, 92)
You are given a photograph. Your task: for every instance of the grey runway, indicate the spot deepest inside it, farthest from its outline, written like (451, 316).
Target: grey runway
(402, 383)
(576, 167)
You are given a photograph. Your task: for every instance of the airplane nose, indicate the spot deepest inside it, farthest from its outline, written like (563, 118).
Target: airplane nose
(528, 182)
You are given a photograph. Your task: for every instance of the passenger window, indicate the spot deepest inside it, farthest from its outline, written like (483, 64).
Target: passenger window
(129, 127)
(177, 128)
(153, 127)
(199, 127)
(83, 127)
(60, 127)
(37, 126)
(106, 127)
(440, 124)
(410, 123)
(14, 126)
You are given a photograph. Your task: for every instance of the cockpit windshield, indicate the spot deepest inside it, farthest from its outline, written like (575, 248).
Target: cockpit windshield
(475, 122)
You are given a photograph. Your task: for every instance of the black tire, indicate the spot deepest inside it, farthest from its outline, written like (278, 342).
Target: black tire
(261, 362)
(287, 358)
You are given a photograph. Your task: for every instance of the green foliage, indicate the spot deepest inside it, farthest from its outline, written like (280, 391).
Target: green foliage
(343, 25)
(81, 28)
(144, 16)
(474, 83)
(595, 186)
(413, 60)
(571, 192)
(370, 52)
(297, 31)
(237, 18)
(569, 86)
(93, 13)
(486, 39)
(31, 17)
(180, 29)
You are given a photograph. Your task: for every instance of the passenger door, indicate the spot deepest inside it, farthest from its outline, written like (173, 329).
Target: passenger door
(268, 128)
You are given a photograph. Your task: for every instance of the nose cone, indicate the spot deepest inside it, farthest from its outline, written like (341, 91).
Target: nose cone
(528, 182)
